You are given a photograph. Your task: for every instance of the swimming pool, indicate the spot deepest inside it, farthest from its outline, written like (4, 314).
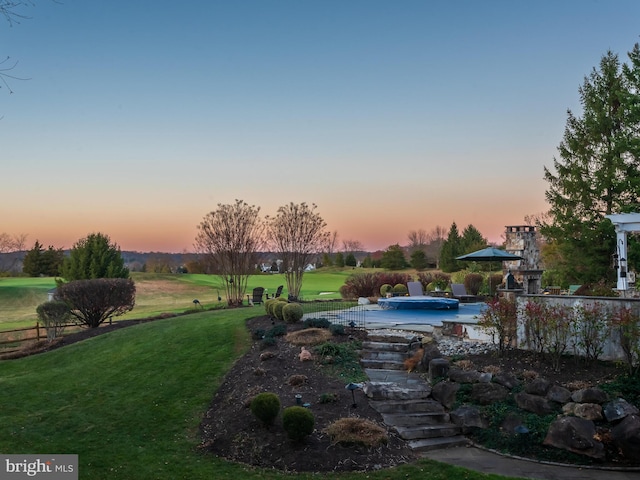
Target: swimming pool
(423, 320)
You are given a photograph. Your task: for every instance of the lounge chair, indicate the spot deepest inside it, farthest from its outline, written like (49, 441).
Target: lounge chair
(256, 297)
(553, 290)
(278, 292)
(460, 292)
(415, 289)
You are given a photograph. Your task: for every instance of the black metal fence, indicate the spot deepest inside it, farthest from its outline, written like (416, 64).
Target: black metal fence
(346, 314)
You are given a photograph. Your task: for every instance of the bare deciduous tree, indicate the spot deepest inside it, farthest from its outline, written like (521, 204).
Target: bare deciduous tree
(352, 246)
(10, 244)
(230, 238)
(418, 239)
(297, 233)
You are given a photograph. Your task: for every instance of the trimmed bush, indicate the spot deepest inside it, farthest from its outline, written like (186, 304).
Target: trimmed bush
(266, 406)
(384, 289)
(336, 329)
(400, 289)
(298, 422)
(292, 312)
(268, 305)
(316, 323)
(277, 310)
(473, 283)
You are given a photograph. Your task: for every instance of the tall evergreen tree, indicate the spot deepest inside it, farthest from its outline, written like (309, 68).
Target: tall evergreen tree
(32, 262)
(94, 257)
(393, 258)
(597, 172)
(472, 240)
(451, 248)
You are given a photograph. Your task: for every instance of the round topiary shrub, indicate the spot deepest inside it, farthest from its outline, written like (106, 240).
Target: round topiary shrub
(277, 310)
(267, 305)
(265, 406)
(400, 289)
(298, 422)
(292, 312)
(384, 289)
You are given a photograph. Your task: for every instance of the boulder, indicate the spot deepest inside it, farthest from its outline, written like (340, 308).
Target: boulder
(464, 376)
(445, 393)
(626, 436)
(506, 380)
(534, 403)
(430, 352)
(511, 423)
(589, 411)
(539, 386)
(488, 393)
(468, 417)
(559, 394)
(363, 301)
(438, 369)
(575, 435)
(589, 395)
(569, 408)
(485, 377)
(618, 409)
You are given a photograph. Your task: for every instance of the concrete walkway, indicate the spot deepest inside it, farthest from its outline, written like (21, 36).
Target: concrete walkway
(488, 462)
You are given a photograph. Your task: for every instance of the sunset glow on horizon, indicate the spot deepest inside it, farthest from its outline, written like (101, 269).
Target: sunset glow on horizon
(390, 117)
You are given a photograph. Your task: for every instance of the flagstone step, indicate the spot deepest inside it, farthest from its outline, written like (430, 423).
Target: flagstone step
(426, 444)
(419, 418)
(418, 432)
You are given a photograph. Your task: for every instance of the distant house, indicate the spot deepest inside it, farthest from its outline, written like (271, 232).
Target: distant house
(310, 267)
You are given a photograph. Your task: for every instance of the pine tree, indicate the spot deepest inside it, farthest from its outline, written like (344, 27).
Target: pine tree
(32, 262)
(451, 248)
(597, 172)
(94, 257)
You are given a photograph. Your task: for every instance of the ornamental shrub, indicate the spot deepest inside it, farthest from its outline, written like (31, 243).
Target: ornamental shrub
(277, 310)
(292, 312)
(384, 289)
(400, 289)
(316, 323)
(473, 283)
(298, 422)
(265, 406)
(267, 305)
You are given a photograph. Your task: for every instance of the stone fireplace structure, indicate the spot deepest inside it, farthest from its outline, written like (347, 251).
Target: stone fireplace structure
(521, 240)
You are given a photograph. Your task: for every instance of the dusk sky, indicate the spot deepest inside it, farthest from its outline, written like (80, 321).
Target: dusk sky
(138, 118)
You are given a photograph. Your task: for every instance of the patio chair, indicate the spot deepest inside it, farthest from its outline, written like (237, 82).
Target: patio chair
(278, 292)
(256, 297)
(460, 292)
(415, 289)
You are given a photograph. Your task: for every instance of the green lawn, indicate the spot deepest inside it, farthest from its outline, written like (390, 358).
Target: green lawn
(158, 293)
(129, 402)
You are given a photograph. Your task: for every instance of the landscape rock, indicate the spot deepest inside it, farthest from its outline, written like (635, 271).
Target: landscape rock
(559, 394)
(618, 409)
(589, 395)
(569, 408)
(626, 436)
(438, 369)
(506, 380)
(510, 423)
(445, 393)
(488, 393)
(363, 301)
(430, 352)
(575, 435)
(468, 417)
(534, 403)
(539, 386)
(464, 376)
(589, 411)
(485, 377)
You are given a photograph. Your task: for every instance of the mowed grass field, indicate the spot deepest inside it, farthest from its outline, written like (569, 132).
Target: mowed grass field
(158, 293)
(130, 402)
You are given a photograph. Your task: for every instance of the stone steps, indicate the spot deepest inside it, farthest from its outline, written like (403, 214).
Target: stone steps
(403, 398)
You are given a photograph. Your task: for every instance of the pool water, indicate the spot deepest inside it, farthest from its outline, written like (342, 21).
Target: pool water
(418, 319)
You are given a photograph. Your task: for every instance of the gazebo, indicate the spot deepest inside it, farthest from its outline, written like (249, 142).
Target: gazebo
(624, 223)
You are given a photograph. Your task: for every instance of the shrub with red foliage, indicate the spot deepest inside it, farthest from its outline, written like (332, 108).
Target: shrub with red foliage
(368, 284)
